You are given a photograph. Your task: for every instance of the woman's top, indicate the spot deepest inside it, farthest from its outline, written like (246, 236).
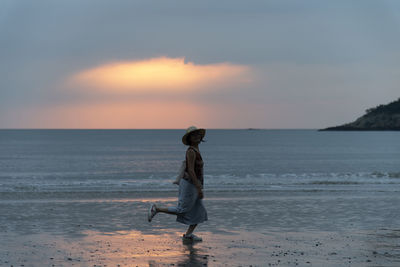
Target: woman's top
(198, 167)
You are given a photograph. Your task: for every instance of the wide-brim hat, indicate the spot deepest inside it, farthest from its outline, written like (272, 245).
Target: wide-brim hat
(190, 130)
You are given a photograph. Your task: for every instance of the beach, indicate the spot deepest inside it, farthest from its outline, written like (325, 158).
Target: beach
(301, 229)
(284, 115)
(274, 198)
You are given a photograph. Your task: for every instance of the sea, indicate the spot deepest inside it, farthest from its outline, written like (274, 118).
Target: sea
(243, 160)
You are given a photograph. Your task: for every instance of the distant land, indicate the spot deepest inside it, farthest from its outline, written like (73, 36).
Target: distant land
(380, 118)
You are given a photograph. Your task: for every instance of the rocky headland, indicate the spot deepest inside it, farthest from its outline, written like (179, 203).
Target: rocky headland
(380, 118)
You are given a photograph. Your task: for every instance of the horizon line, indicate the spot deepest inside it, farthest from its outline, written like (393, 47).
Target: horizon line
(249, 128)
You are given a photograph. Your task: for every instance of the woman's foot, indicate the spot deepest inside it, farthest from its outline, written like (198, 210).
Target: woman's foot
(192, 238)
(152, 212)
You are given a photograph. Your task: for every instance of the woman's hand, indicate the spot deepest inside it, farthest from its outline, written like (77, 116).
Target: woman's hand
(200, 194)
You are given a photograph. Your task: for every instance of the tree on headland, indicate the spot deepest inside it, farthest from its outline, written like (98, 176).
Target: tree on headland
(380, 118)
(391, 108)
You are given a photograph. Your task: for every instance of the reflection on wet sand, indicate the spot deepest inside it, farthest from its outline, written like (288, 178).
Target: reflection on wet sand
(163, 248)
(190, 256)
(135, 247)
(193, 256)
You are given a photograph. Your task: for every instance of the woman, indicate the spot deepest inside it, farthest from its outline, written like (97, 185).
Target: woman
(190, 209)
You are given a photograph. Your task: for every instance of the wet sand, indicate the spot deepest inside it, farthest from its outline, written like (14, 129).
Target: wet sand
(258, 229)
(133, 248)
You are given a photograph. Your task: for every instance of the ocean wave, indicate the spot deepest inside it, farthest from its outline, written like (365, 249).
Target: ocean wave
(386, 174)
(334, 182)
(223, 182)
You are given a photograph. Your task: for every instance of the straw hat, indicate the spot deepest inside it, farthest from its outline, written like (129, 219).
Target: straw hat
(190, 130)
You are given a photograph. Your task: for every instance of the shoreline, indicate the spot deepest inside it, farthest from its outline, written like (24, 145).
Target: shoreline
(324, 188)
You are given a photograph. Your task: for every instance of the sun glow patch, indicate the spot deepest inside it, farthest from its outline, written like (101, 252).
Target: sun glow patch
(161, 74)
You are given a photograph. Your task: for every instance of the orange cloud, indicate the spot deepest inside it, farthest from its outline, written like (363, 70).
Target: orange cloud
(161, 74)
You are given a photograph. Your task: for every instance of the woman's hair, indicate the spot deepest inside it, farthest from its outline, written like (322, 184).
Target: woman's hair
(188, 139)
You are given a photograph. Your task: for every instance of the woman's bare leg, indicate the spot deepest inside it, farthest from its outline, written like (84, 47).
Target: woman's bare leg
(165, 210)
(190, 229)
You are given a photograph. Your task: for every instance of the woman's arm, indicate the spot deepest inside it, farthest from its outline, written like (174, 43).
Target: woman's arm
(191, 158)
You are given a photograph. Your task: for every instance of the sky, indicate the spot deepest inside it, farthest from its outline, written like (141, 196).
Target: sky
(214, 64)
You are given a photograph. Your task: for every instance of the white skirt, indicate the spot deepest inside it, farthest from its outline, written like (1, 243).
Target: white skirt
(190, 209)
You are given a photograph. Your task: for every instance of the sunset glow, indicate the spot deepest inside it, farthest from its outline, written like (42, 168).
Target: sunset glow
(160, 74)
(122, 114)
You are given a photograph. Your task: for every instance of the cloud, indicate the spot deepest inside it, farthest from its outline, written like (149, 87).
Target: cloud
(162, 74)
(153, 93)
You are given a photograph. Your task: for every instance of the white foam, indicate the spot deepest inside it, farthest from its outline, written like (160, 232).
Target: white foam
(224, 182)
